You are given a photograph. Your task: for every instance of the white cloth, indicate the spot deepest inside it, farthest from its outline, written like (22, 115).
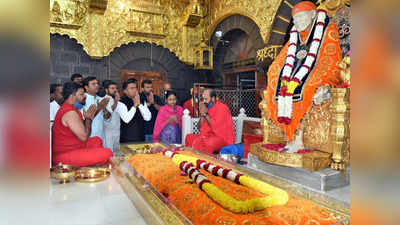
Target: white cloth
(98, 121)
(54, 106)
(113, 124)
(126, 115)
(112, 127)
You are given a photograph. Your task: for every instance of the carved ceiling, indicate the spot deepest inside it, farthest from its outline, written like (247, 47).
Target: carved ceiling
(103, 25)
(179, 25)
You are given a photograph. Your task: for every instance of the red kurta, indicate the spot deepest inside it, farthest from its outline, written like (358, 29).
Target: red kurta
(217, 134)
(68, 149)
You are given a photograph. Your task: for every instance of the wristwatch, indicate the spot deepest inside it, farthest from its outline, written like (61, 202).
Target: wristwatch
(204, 114)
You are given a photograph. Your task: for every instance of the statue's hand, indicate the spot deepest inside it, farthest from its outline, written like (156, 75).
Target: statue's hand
(321, 94)
(292, 85)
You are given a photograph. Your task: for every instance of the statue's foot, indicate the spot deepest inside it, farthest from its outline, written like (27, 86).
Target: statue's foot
(290, 148)
(295, 145)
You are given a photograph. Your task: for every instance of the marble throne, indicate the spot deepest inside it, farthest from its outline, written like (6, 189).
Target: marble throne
(326, 130)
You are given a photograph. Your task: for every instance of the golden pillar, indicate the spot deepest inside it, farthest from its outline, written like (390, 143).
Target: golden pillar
(338, 129)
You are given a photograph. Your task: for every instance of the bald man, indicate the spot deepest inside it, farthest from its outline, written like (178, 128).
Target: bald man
(215, 125)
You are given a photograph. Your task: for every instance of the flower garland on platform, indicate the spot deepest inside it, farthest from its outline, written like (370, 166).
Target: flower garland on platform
(290, 82)
(275, 196)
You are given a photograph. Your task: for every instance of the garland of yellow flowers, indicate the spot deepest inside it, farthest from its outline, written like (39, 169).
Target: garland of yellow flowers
(275, 196)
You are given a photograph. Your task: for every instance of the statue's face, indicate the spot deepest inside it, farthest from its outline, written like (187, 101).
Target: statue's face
(303, 20)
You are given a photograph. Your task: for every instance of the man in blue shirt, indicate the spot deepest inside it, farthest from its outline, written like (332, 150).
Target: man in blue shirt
(91, 86)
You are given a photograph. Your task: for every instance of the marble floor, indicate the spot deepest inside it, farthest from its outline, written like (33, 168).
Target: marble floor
(101, 203)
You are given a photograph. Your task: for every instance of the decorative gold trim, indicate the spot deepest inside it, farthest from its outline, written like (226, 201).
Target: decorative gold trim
(146, 11)
(102, 30)
(283, 18)
(311, 161)
(150, 204)
(288, 4)
(65, 26)
(144, 34)
(167, 214)
(332, 6)
(278, 32)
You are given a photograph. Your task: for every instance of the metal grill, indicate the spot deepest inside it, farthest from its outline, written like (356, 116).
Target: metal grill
(240, 98)
(195, 121)
(236, 98)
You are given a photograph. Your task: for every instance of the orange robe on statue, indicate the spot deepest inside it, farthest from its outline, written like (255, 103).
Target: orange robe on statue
(325, 71)
(68, 149)
(217, 134)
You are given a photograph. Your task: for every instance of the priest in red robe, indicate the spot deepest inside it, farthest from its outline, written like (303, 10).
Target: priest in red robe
(71, 131)
(215, 125)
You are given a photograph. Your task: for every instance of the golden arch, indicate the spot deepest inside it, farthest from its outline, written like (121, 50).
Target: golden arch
(227, 14)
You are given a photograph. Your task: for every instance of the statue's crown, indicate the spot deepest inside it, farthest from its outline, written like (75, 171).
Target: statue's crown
(303, 6)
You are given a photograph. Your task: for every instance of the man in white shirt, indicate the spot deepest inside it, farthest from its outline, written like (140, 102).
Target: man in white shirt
(56, 99)
(132, 123)
(91, 86)
(112, 126)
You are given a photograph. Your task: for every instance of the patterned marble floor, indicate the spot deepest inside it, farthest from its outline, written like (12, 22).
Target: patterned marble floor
(102, 203)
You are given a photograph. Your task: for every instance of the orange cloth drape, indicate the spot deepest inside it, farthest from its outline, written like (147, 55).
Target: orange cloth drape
(326, 71)
(164, 175)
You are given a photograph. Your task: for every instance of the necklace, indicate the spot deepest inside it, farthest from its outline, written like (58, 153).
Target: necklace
(302, 52)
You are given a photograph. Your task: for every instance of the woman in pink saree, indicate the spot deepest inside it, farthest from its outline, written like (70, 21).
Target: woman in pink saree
(168, 126)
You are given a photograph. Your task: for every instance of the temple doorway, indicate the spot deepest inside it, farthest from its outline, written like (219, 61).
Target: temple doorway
(158, 78)
(235, 68)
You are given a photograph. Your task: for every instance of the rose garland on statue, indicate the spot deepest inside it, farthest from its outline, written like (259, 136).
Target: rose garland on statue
(289, 80)
(275, 196)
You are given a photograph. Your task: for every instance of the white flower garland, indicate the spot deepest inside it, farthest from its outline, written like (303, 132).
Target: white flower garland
(192, 171)
(218, 171)
(190, 165)
(285, 100)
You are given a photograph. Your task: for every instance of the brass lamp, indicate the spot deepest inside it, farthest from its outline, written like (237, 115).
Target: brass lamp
(204, 57)
(194, 14)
